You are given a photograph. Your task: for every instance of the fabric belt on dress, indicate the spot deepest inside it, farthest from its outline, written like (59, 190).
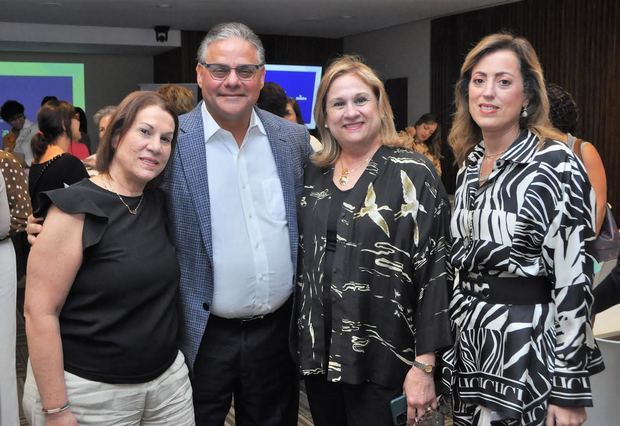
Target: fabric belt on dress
(508, 290)
(285, 309)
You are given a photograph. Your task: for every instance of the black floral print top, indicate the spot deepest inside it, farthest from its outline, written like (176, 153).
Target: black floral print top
(390, 287)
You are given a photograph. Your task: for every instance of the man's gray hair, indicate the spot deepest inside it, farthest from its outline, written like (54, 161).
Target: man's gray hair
(106, 110)
(228, 30)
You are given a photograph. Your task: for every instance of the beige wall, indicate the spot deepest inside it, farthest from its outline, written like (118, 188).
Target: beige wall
(401, 51)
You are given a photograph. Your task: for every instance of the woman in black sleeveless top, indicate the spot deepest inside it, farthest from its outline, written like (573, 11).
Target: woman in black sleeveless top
(100, 306)
(53, 167)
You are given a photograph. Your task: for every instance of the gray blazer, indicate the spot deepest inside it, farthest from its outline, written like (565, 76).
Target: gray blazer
(187, 193)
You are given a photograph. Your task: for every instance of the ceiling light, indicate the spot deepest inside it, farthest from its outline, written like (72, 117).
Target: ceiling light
(51, 3)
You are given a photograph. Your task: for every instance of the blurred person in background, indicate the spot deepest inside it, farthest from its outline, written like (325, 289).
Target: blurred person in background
(78, 147)
(564, 116)
(19, 202)
(102, 119)
(181, 98)
(293, 114)
(84, 138)
(272, 98)
(22, 130)
(9, 410)
(53, 167)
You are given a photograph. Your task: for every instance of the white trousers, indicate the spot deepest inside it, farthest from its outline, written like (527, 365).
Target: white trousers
(9, 410)
(166, 400)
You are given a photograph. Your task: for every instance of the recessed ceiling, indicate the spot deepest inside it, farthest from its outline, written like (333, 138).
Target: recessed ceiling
(317, 18)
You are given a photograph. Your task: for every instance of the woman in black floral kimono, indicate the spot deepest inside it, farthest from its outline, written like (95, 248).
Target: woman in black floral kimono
(373, 293)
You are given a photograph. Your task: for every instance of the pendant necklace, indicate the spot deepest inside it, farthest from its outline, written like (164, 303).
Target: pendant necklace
(482, 179)
(129, 209)
(345, 172)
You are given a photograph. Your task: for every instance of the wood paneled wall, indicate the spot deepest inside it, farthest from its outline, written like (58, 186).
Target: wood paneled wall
(178, 65)
(578, 44)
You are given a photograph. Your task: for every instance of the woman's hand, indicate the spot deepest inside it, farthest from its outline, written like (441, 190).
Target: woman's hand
(65, 418)
(565, 416)
(419, 388)
(34, 228)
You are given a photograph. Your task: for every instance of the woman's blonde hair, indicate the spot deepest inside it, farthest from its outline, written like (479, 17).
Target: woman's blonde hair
(349, 64)
(465, 133)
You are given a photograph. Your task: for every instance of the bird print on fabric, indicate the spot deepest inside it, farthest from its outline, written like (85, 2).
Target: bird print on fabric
(372, 210)
(411, 206)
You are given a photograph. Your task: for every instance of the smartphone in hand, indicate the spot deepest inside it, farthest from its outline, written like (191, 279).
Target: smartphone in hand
(399, 410)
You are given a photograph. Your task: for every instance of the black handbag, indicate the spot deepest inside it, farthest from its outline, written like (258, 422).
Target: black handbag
(607, 244)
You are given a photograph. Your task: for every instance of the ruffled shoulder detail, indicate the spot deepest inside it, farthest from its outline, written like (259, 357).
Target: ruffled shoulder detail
(80, 198)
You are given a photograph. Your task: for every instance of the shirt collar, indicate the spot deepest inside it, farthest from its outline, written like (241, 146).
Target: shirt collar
(211, 127)
(522, 150)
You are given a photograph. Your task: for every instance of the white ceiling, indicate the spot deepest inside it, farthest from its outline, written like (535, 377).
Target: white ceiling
(317, 18)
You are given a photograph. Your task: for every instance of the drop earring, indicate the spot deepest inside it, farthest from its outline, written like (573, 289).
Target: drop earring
(524, 113)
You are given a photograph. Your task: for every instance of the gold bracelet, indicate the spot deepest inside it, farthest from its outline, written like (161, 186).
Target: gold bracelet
(56, 410)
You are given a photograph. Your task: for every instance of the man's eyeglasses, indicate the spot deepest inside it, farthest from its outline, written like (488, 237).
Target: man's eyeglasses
(222, 71)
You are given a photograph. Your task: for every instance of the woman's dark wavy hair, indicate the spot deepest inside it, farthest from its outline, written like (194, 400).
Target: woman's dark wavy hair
(293, 103)
(54, 121)
(434, 141)
(122, 120)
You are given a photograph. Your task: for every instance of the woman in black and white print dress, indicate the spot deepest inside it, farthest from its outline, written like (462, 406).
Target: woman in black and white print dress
(523, 213)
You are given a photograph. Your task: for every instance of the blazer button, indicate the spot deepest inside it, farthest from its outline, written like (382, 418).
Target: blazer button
(205, 306)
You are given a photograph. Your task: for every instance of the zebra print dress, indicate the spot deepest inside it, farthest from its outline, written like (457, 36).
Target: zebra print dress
(532, 217)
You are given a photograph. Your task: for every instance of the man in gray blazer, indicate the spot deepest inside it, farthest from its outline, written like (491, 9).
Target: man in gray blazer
(232, 185)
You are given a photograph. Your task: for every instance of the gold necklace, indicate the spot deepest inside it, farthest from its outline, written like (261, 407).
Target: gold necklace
(345, 172)
(492, 155)
(129, 209)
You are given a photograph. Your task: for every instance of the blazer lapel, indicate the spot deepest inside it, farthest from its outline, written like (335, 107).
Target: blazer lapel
(192, 153)
(282, 154)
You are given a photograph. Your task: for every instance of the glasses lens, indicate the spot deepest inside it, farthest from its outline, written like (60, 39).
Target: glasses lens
(219, 72)
(246, 72)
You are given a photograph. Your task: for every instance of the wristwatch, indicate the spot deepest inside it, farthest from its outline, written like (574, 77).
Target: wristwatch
(427, 368)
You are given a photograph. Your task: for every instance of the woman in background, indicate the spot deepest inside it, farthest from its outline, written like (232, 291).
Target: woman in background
(425, 137)
(522, 297)
(9, 410)
(101, 317)
(84, 138)
(564, 116)
(53, 167)
(293, 114)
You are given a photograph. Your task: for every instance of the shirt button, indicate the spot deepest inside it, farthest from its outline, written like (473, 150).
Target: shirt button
(256, 245)
(205, 306)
